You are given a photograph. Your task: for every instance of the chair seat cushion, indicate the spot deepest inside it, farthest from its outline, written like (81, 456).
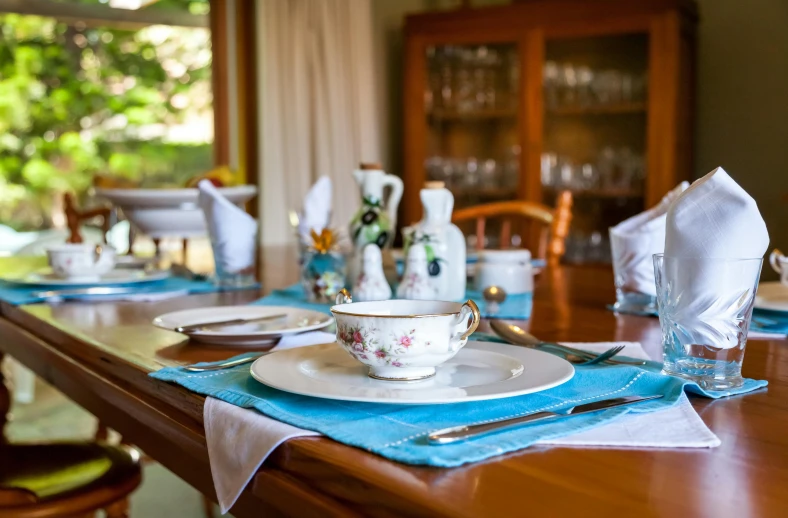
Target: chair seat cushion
(57, 470)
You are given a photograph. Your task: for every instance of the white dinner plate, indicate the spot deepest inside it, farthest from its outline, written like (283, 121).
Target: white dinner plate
(480, 371)
(113, 278)
(772, 296)
(252, 333)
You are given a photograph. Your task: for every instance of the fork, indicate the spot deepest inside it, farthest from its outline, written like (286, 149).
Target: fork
(602, 357)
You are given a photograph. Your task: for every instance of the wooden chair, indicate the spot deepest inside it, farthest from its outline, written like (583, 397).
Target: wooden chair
(548, 230)
(75, 217)
(64, 479)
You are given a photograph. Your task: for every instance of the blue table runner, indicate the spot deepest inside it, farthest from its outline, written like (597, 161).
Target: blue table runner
(398, 432)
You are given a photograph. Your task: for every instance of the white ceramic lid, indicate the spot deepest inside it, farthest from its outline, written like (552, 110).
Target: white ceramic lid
(520, 255)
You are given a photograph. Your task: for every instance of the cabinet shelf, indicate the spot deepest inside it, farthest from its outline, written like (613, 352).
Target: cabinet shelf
(602, 109)
(484, 192)
(448, 116)
(599, 193)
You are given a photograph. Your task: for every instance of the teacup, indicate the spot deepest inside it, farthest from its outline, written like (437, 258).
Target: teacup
(779, 263)
(403, 340)
(81, 262)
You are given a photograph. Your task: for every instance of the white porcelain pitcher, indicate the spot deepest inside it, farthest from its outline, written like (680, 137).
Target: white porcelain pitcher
(372, 180)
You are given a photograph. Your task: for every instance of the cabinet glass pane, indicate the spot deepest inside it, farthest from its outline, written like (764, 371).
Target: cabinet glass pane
(471, 100)
(595, 92)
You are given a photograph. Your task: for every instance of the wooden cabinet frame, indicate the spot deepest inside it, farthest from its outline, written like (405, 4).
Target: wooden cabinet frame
(669, 24)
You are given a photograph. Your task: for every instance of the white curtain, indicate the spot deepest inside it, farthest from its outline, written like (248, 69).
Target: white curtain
(317, 108)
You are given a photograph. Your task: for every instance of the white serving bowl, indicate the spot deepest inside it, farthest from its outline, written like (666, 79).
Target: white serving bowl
(404, 340)
(169, 212)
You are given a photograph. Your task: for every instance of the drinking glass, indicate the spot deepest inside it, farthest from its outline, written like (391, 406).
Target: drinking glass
(235, 262)
(705, 308)
(627, 266)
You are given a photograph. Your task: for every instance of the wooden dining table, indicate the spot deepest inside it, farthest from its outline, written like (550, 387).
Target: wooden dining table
(100, 354)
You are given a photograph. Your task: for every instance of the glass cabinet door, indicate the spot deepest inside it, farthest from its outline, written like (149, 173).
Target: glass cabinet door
(594, 141)
(471, 105)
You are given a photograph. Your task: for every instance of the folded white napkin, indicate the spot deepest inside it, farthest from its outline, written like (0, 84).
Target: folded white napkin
(239, 440)
(635, 240)
(679, 426)
(316, 213)
(713, 219)
(233, 232)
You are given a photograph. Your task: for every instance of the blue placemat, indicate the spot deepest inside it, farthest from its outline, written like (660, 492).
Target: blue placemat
(398, 432)
(515, 307)
(764, 321)
(16, 294)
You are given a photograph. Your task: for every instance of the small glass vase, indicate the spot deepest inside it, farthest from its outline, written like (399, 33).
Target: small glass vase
(323, 275)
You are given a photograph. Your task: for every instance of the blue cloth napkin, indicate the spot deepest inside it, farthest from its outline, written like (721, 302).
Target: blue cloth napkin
(18, 294)
(515, 307)
(399, 432)
(764, 321)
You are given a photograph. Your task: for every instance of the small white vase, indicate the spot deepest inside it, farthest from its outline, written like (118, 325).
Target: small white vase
(371, 283)
(416, 283)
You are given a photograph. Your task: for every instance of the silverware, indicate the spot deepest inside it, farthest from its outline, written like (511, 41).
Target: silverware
(180, 270)
(197, 327)
(463, 433)
(516, 335)
(225, 365)
(82, 292)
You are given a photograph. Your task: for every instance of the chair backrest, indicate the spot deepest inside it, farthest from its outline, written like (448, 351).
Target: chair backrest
(75, 217)
(549, 226)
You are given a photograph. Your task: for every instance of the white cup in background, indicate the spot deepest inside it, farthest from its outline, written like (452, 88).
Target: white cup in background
(81, 262)
(779, 263)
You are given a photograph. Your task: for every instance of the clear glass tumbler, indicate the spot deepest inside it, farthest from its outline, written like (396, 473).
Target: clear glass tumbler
(236, 262)
(632, 274)
(705, 307)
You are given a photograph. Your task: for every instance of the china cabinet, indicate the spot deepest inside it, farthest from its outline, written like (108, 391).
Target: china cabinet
(525, 100)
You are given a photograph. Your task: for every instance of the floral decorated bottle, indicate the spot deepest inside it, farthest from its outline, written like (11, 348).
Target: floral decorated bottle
(444, 243)
(376, 219)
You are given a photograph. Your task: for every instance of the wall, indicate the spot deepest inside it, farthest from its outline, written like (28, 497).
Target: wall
(742, 102)
(742, 94)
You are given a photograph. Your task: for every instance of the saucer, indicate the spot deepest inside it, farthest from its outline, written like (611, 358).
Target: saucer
(252, 333)
(112, 278)
(480, 371)
(772, 296)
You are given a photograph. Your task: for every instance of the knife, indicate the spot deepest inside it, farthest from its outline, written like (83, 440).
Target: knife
(81, 292)
(236, 321)
(463, 433)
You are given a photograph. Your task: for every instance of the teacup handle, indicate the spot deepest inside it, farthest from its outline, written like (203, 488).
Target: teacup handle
(343, 297)
(774, 259)
(469, 308)
(97, 253)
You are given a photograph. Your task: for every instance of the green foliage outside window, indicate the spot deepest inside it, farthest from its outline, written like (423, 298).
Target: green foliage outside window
(76, 101)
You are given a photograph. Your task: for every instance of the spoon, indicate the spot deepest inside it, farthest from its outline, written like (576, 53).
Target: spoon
(493, 295)
(519, 336)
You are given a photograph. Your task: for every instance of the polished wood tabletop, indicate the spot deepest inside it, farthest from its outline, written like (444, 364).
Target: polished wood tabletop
(100, 354)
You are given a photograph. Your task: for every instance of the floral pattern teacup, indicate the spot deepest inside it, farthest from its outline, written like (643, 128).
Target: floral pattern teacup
(81, 262)
(403, 340)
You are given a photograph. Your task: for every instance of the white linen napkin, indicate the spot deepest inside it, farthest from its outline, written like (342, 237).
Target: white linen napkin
(713, 219)
(233, 232)
(316, 212)
(239, 440)
(635, 240)
(679, 426)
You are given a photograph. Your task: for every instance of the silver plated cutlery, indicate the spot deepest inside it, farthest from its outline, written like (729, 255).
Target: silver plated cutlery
(516, 335)
(466, 432)
(221, 323)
